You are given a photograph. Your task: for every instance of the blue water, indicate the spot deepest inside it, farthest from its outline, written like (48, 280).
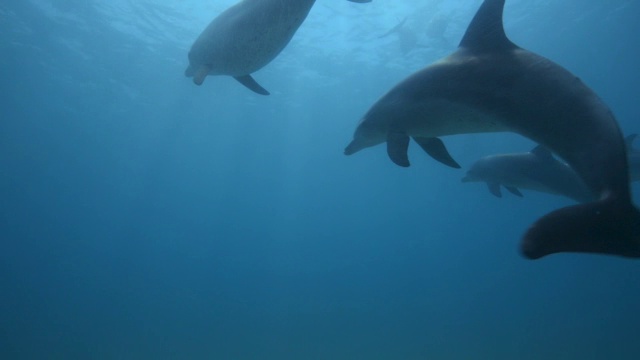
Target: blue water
(143, 217)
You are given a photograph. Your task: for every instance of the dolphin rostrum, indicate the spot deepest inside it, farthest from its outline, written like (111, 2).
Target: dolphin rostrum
(246, 37)
(490, 84)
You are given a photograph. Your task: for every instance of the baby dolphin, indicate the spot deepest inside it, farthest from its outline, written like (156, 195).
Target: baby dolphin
(246, 37)
(539, 170)
(535, 170)
(490, 84)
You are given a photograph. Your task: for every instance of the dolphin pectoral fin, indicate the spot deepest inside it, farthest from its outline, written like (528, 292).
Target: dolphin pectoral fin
(609, 226)
(249, 82)
(494, 188)
(199, 74)
(514, 190)
(436, 149)
(397, 146)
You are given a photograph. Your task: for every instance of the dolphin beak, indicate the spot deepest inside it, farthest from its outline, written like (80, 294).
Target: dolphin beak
(465, 179)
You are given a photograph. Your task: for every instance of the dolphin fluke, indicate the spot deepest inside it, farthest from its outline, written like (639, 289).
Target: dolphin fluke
(603, 227)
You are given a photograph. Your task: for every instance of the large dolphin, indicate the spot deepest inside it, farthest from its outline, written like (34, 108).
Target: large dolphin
(490, 84)
(246, 37)
(535, 170)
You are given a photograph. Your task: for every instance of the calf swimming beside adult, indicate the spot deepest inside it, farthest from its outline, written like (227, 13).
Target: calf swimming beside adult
(489, 84)
(539, 170)
(246, 37)
(536, 170)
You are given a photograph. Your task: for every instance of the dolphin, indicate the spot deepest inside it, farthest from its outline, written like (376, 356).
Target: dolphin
(539, 170)
(396, 29)
(489, 84)
(246, 37)
(536, 170)
(407, 38)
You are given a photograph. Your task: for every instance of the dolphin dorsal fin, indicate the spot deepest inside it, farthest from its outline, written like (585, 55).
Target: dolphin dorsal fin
(542, 153)
(486, 31)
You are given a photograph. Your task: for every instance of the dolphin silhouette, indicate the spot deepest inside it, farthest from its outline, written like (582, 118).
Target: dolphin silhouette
(535, 170)
(490, 84)
(540, 171)
(246, 37)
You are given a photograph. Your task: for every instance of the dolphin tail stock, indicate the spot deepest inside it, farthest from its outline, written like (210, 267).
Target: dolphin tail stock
(608, 226)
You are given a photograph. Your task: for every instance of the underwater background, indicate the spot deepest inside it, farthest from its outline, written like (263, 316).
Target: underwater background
(143, 217)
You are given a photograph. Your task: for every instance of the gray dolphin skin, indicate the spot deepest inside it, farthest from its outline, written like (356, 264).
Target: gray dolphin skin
(490, 84)
(536, 170)
(246, 37)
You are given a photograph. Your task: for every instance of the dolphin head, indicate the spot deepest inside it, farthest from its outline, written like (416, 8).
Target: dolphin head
(481, 170)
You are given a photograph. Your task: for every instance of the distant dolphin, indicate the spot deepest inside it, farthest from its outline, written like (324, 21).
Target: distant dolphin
(246, 37)
(407, 37)
(399, 27)
(490, 84)
(536, 170)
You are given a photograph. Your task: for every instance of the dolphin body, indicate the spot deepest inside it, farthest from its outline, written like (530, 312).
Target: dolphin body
(490, 84)
(246, 37)
(539, 170)
(535, 170)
